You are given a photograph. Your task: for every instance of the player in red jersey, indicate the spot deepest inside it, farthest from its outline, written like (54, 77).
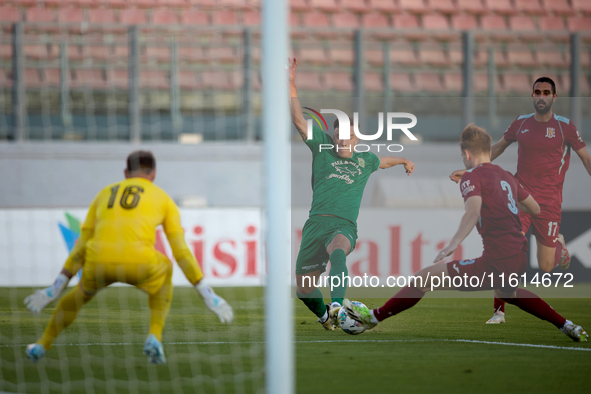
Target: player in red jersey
(492, 198)
(545, 141)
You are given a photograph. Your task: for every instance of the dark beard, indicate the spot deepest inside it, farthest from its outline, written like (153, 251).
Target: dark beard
(543, 111)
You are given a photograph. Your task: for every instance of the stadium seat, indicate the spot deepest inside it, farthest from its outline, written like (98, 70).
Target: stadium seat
(51, 76)
(481, 58)
(118, 79)
(143, 3)
(582, 6)
(520, 55)
(251, 18)
(36, 51)
(345, 20)
(497, 27)
(429, 82)
(530, 7)
(378, 21)
(456, 55)
(299, 5)
(433, 55)
(39, 14)
(195, 54)
(403, 54)
(374, 57)
(315, 19)
(463, 22)
(70, 15)
(224, 17)
(358, 6)
(438, 23)
(188, 80)
(194, 17)
(223, 54)
(309, 81)
(515, 83)
(526, 28)
(453, 82)
(173, 3)
(386, 6)
(584, 84)
(88, 78)
(204, 4)
(132, 16)
(154, 80)
(578, 23)
(101, 53)
(374, 82)
(165, 16)
(480, 83)
(160, 54)
(558, 7)
(443, 6)
(217, 80)
(413, 6)
(402, 83)
(409, 21)
(342, 56)
(9, 13)
(312, 56)
(32, 77)
(471, 6)
(338, 81)
(101, 15)
(5, 51)
(239, 5)
(324, 5)
(500, 6)
(551, 56)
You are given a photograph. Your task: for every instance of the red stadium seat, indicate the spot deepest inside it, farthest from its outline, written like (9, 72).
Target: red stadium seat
(551, 56)
(115, 3)
(551, 23)
(582, 6)
(481, 58)
(496, 25)
(464, 22)
(299, 5)
(558, 7)
(359, 6)
(471, 6)
(526, 27)
(312, 56)
(154, 80)
(309, 81)
(36, 51)
(429, 82)
(204, 4)
(516, 83)
(118, 79)
(132, 16)
(218, 80)
(456, 55)
(374, 82)
(387, 6)
(165, 16)
(101, 53)
(378, 21)
(192, 54)
(500, 6)
(324, 5)
(88, 78)
(5, 51)
(438, 22)
(143, 3)
(188, 80)
(157, 53)
(530, 7)
(480, 83)
(32, 78)
(345, 20)
(339, 81)
(39, 14)
(578, 23)
(453, 82)
(521, 55)
(223, 55)
(194, 17)
(315, 19)
(413, 6)
(409, 21)
(403, 54)
(70, 15)
(443, 6)
(225, 17)
(173, 3)
(342, 56)
(402, 83)
(9, 13)
(251, 18)
(375, 57)
(433, 55)
(5, 78)
(51, 76)
(101, 15)
(234, 4)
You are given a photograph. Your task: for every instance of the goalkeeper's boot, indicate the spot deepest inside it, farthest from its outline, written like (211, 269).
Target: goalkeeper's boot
(574, 332)
(35, 351)
(215, 303)
(333, 313)
(361, 314)
(325, 320)
(154, 350)
(498, 318)
(564, 261)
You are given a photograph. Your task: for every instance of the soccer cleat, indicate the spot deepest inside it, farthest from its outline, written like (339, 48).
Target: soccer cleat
(498, 318)
(333, 312)
(361, 314)
(153, 349)
(215, 303)
(37, 301)
(574, 332)
(35, 351)
(564, 261)
(327, 323)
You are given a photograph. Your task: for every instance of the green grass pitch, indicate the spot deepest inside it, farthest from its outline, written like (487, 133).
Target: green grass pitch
(416, 351)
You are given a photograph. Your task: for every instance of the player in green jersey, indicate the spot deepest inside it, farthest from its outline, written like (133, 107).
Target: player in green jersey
(339, 175)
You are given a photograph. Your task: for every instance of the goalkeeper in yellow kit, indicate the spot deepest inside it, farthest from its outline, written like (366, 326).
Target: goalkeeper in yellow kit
(116, 244)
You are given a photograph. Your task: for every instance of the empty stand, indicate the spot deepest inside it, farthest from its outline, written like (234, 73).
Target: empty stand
(429, 82)
(339, 81)
(558, 7)
(471, 6)
(309, 81)
(500, 6)
(387, 6)
(530, 7)
(374, 82)
(402, 83)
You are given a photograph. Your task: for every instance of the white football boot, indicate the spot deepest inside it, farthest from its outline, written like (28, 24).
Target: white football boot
(154, 350)
(574, 332)
(498, 318)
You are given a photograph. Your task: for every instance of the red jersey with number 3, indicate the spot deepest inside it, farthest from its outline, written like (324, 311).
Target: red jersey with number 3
(544, 156)
(499, 223)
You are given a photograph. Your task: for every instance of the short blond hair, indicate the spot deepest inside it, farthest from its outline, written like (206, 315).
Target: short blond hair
(475, 139)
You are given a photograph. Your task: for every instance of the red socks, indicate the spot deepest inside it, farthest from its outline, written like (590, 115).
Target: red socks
(499, 305)
(531, 303)
(404, 299)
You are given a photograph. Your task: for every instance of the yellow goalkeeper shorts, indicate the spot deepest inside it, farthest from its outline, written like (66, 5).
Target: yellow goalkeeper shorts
(149, 277)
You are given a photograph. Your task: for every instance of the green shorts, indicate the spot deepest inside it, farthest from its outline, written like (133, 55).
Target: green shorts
(316, 235)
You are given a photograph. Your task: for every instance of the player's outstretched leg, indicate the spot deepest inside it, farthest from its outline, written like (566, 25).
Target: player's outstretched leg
(531, 303)
(64, 314)
(499, 314)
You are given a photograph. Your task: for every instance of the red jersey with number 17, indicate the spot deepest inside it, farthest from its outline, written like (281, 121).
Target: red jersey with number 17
(544, 156)
(499, 223)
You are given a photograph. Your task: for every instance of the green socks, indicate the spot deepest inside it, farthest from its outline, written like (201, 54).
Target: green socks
(338, 268)
(314, 302)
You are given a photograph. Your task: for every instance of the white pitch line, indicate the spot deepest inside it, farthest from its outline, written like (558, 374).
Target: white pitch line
(583, 349)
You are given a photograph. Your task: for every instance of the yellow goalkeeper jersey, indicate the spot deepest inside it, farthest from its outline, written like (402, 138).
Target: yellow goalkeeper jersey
(122, 221)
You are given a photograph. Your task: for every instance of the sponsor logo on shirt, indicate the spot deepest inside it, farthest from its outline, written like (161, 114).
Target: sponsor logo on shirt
(466, 188)
(550, 133)
(362, 161)
(524, 131)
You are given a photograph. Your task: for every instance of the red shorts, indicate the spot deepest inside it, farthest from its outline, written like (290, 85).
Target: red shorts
(545, 230)
(488, 271)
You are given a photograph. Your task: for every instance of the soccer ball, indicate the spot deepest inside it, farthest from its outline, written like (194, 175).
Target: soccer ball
(349, 325)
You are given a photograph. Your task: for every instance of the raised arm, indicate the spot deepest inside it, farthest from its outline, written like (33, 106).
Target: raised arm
(391, 161)
(297, 117)
(585, 158)
(469, 220)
